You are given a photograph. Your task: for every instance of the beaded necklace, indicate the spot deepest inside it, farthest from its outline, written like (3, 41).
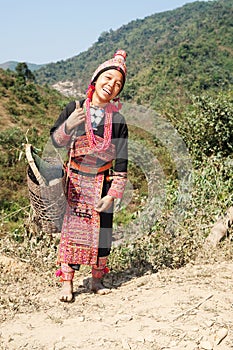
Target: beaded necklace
(94, 145)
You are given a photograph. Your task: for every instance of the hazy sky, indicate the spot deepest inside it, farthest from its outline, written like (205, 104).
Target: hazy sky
(43, 31)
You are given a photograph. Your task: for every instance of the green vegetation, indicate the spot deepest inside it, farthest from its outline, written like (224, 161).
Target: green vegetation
(170, 55)
(180, 65)
(26, 113)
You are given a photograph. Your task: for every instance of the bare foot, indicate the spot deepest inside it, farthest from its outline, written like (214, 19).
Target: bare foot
(67, 291)
(98, 287)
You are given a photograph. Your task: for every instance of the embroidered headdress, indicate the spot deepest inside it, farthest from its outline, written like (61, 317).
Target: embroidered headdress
(117, 62)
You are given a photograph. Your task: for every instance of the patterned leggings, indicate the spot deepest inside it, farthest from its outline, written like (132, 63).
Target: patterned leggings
(98, 270)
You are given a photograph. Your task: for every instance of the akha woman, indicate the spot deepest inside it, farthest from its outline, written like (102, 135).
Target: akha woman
(95, 135)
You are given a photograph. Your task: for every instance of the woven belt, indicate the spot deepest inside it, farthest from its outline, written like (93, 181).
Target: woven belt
(90, 169)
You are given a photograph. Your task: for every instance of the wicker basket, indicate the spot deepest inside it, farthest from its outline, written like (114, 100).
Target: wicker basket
(46, 192)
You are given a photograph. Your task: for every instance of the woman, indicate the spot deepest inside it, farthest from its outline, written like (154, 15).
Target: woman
(95, 134)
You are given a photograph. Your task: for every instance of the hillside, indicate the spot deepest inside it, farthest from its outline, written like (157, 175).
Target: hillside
(12, 65)
(24, 104)
(180, 172)
(170, 53)
(27, 111)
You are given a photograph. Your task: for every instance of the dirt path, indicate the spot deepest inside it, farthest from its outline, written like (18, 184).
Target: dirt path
(190, 308)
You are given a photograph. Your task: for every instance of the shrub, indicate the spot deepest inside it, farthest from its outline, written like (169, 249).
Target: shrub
(208, 131)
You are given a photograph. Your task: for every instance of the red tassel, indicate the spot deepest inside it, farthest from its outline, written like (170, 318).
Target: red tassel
(119, 105)
(90, 91)
(106, 270)
(109, 178)
(58, 273)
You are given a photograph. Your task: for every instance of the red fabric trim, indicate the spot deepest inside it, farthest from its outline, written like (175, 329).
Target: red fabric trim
(118, 185)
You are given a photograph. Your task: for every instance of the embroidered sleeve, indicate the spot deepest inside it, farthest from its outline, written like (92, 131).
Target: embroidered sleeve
(118, 185)
(60, 137)
(58, 133)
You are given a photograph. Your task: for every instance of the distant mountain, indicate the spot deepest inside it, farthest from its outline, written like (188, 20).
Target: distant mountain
(188, 49)
(12, 65)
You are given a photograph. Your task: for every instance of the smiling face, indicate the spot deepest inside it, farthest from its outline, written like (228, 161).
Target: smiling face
(107, 87)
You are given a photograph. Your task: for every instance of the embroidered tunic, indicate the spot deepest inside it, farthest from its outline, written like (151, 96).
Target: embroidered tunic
(87, 234)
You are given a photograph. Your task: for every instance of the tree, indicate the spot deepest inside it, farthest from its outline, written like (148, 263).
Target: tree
(24, 73)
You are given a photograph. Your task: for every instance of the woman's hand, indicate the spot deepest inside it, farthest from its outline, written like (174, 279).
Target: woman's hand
(76, 118)
(104, 203)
